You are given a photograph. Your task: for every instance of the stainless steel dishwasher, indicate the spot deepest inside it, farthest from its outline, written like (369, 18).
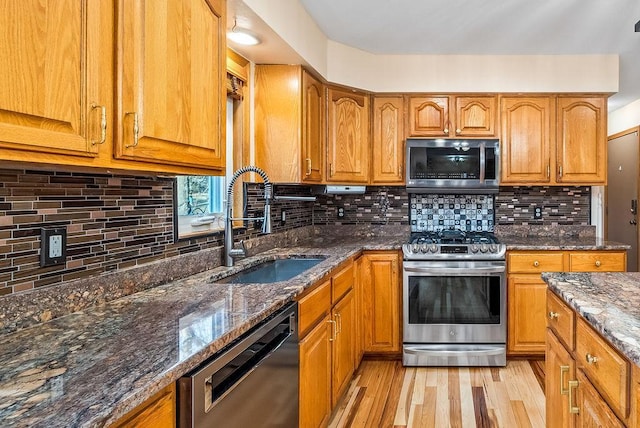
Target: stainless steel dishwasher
(253, 383)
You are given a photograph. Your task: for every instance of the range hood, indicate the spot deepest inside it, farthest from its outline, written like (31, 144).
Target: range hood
(339, 190)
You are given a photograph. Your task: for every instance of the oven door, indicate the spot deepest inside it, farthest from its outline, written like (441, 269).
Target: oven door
(454, 302)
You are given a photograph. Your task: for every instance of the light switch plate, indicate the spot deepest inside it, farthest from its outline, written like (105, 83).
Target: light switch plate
(53, 246)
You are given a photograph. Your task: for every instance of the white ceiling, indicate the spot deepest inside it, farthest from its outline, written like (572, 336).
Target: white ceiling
(478, 27)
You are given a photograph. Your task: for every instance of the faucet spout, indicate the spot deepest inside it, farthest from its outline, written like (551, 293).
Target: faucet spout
(229, 251)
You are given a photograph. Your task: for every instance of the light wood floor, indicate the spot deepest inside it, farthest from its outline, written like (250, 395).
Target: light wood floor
(386, 394)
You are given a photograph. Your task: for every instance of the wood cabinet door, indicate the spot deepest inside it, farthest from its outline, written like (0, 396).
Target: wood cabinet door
(428, 117)
(593, 411)
(313, 128)
(315, 376)
(581, 140)
(388, 141)
(381, 313)
(559, 370)
(526, 139)
(159, 411)
(527, 304)
(52, 76)
(476, 116)
(278, 116)
(343, 345)
(348, 137)
(171, 68)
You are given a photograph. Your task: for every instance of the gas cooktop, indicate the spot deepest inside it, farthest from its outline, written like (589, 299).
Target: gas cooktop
(453, 244)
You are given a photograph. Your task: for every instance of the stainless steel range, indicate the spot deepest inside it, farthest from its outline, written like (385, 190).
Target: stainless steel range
(454, 299)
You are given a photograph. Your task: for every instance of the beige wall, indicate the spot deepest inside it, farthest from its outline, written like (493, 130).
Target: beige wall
(624, 118)
(342, 64)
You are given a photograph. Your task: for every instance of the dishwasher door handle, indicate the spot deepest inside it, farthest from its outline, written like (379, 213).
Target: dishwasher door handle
(208, 384)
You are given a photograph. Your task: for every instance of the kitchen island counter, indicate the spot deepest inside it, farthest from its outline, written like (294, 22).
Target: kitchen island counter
(91, 367)
(608, 301)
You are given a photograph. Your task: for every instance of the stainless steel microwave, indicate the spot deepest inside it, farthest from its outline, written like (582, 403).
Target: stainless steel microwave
(452, 166)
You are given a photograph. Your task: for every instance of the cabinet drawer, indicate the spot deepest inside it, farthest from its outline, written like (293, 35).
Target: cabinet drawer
(313, 307)
(608, 371)
(341, 283)
(594, 261)
(561, 319)
(531, 262)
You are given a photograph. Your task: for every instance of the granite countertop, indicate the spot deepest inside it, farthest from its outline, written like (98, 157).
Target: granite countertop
(549, 243)
(91, 367)
(609, 301)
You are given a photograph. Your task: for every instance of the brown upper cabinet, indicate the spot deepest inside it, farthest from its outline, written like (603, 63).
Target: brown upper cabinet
(452, 116)
(58, 100)
(290, 114)
(387, 157)
(348, 136)
(171, 69)
(52, 99)
(553, 140)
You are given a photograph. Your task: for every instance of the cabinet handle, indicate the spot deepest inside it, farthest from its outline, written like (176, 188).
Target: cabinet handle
(563, 371)
(331, 170)
(333, 330)
(591, 359)
(338, 323)
(548, 171)
(308, 166)
(536, 263)
(103, 124)
(598, 263)
(553, 315)
(573, 384)
(560, 171)
(136, 129)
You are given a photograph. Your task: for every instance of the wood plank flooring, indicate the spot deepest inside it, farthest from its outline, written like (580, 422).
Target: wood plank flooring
(386, 394)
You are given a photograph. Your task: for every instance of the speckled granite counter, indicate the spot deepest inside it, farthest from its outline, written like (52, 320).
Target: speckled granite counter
(91, 367)
(610, 302)
(554, 238)
(551, 243)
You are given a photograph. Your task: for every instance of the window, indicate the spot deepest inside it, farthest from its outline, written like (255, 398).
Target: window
(199, 204)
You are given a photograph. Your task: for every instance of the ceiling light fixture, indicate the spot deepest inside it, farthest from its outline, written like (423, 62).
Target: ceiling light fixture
(242, 36)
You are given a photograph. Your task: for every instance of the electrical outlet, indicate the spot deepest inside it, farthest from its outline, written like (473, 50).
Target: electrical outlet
(53, 246)
(283, 216)
(340, 212)
(537, 212)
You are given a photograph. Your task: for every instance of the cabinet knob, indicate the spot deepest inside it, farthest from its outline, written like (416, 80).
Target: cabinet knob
(553, 315)
(458, 131)
(591, 359)
(598, 263)
(536, 263)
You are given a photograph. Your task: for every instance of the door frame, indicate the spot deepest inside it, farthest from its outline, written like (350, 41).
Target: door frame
(635, 130)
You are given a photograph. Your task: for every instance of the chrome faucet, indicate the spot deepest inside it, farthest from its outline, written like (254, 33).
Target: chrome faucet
(229, 251)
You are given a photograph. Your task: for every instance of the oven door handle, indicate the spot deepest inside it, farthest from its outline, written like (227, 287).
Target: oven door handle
(451, 353)
(457, 271)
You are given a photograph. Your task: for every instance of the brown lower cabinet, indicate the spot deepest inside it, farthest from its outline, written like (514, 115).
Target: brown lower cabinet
(159, 411)
(526, 290)
(381, 302)
(587, 382)
(327, 319)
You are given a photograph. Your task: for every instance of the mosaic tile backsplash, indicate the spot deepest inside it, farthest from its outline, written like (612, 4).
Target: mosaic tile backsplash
(114, 222)
(431, 213)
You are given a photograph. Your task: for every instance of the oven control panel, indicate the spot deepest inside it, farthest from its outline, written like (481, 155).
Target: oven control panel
(454, 249)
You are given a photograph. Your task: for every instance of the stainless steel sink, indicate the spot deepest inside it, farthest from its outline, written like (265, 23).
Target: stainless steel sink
(273, 270)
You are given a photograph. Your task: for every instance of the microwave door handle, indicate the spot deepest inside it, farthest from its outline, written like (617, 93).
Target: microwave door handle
(482, 162)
